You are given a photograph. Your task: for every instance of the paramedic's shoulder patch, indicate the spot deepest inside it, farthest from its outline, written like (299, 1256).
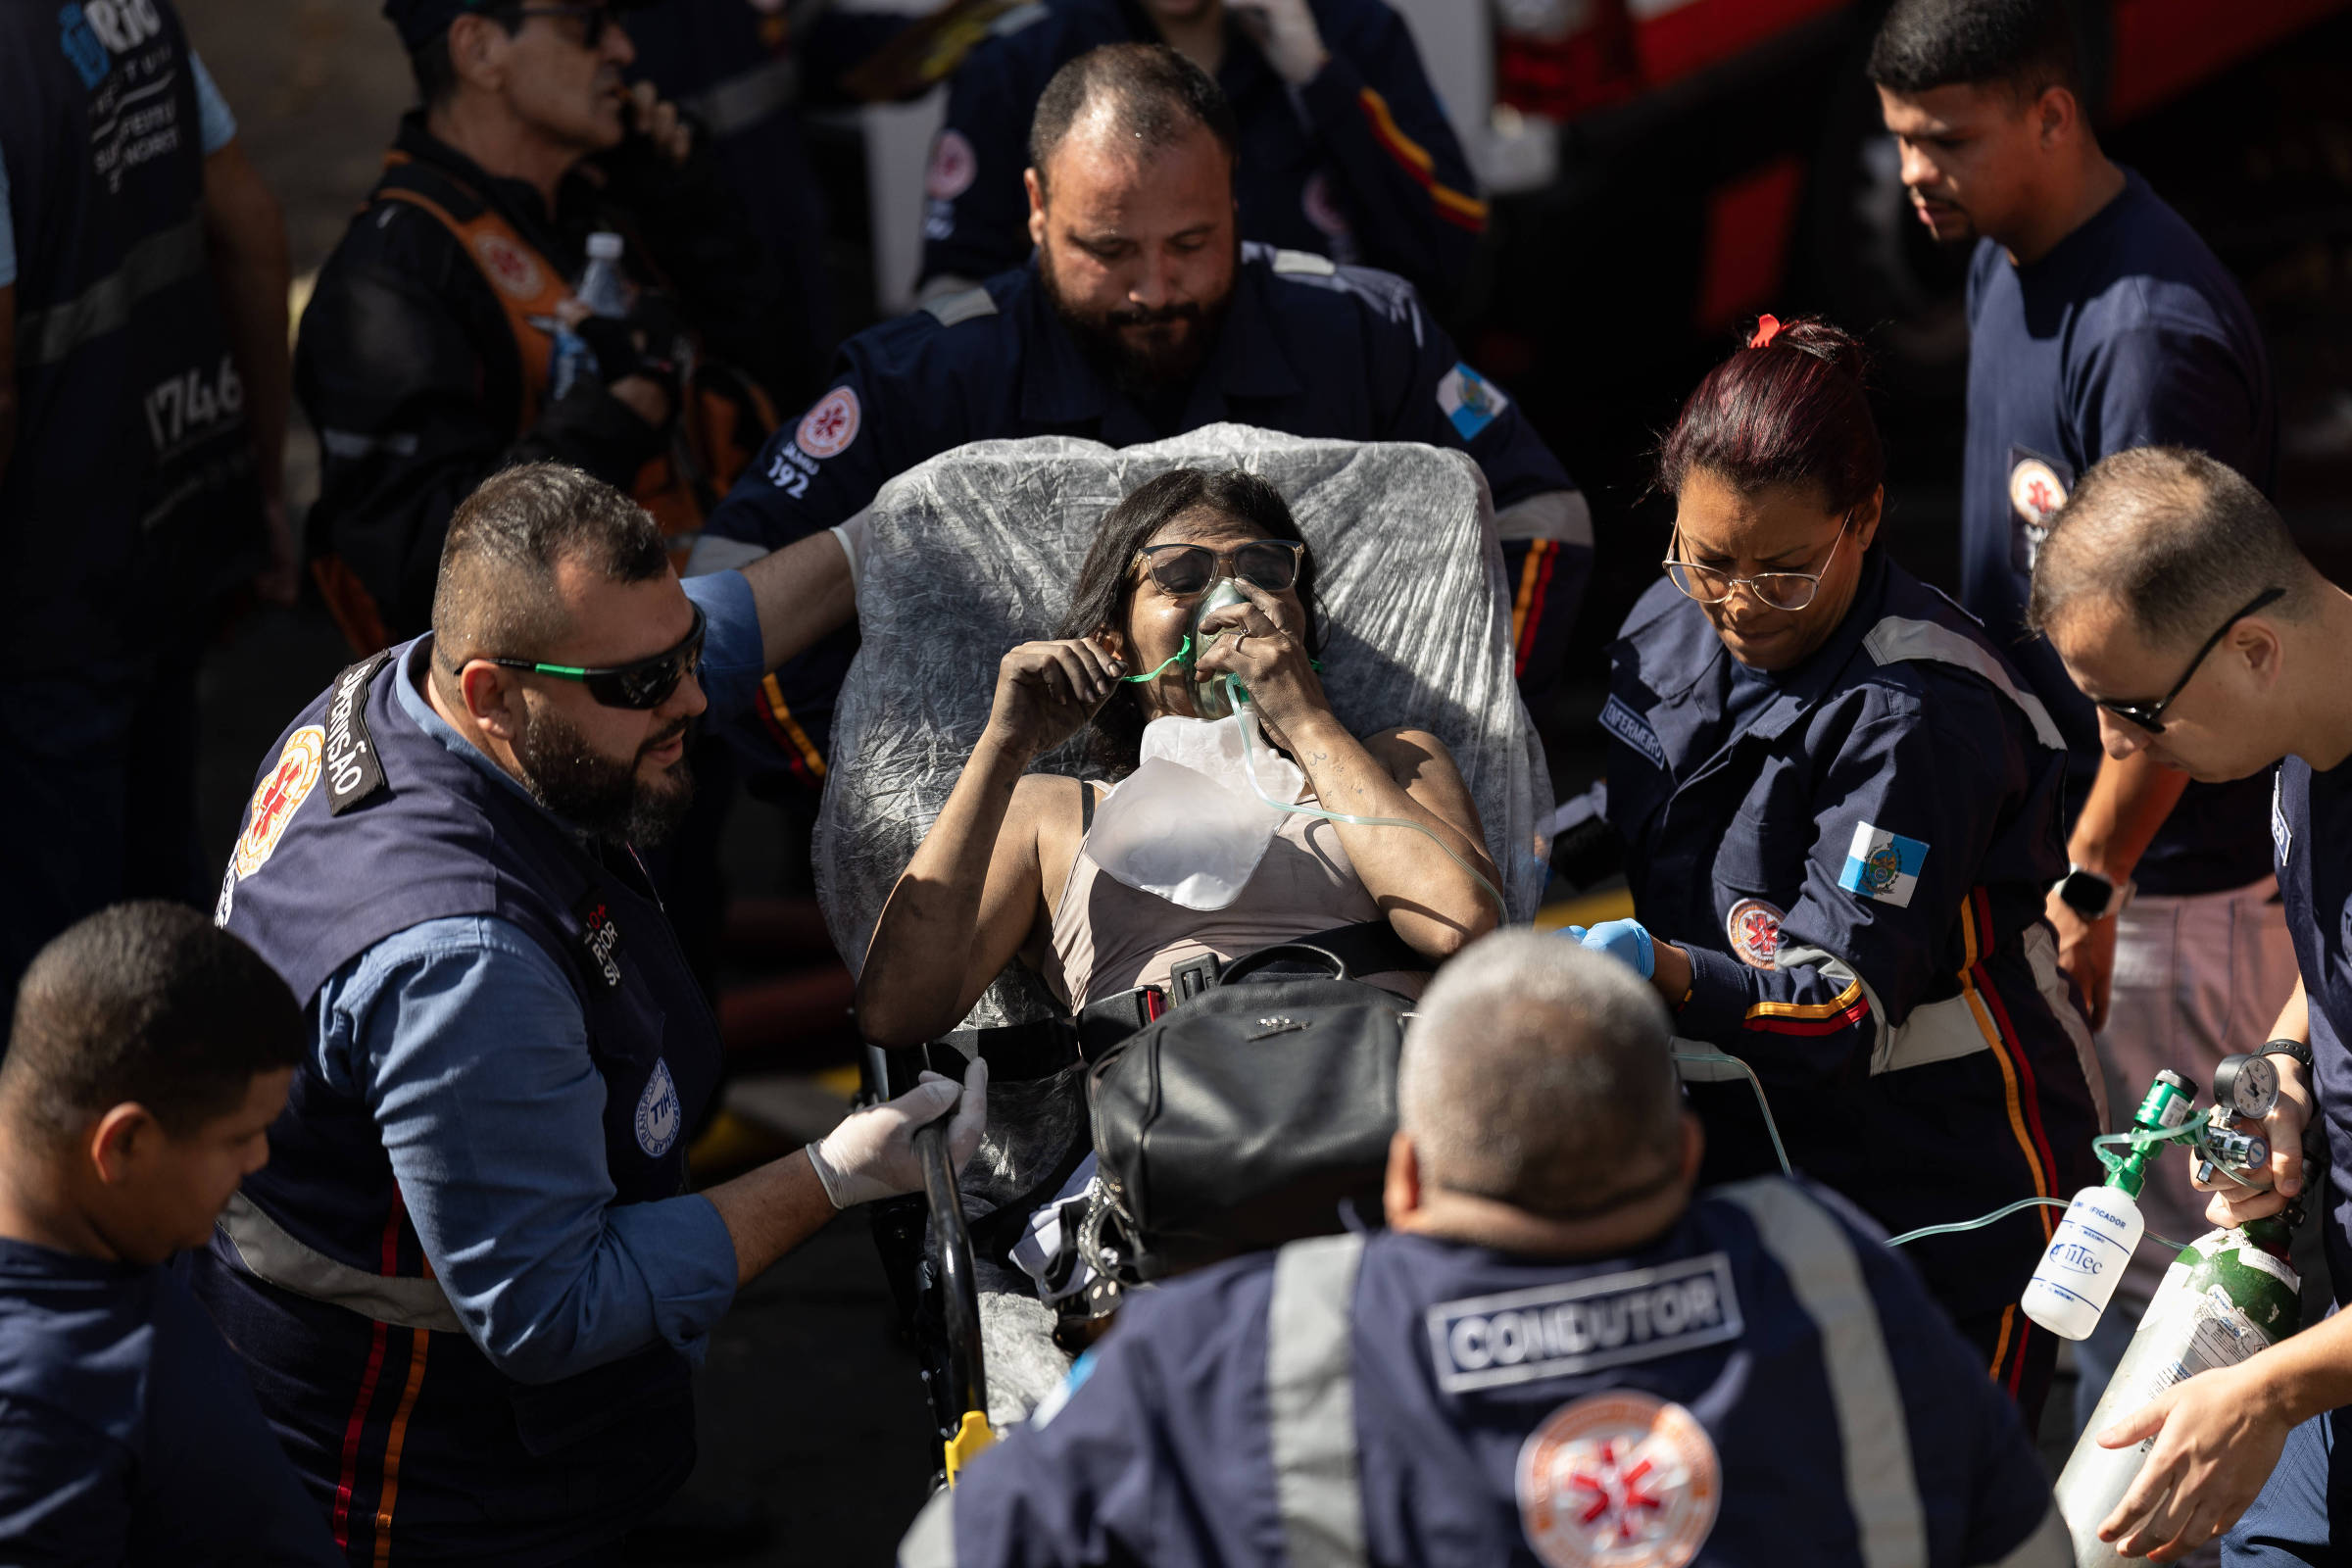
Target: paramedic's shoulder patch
(1586, 1325)
(1469, 401)
(1883, 865)
(1619, 719)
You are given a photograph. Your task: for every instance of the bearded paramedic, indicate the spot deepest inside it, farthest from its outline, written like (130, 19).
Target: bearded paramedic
(470, 1284)
(1142, 316)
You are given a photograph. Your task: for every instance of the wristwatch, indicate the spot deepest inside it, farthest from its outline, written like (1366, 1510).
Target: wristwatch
(2090, 895)
(2298, 1049)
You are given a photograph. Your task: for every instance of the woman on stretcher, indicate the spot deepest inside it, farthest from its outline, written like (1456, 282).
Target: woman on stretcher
(1108, 899)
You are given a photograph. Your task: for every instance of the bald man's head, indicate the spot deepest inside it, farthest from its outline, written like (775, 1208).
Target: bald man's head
(2174, 540)
(1138, 100)
(1540, 1074)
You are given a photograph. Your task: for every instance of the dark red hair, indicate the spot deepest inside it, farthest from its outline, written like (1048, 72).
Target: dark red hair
(1789, 408)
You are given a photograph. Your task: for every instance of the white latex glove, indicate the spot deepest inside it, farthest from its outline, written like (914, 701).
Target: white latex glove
(853, 536)
(1286, 33)
(871, 1154)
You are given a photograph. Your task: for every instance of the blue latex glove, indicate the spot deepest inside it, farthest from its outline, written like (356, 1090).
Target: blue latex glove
(1626, 941)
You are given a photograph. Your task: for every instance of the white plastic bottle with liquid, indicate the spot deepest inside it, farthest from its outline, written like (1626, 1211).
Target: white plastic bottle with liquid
(2094, 1243)
(2084, 1261)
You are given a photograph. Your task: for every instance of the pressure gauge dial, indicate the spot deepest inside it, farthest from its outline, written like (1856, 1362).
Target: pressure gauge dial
(2246, 1086)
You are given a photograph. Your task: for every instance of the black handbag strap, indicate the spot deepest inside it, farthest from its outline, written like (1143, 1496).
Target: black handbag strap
(1349, 953)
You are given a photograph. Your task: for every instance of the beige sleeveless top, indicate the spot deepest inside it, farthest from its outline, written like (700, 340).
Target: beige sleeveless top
(1109, 937)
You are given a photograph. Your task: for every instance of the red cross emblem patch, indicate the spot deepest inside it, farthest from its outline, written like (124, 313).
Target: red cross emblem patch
(1617, 1480)
(831, 425)
(274, 799)
(508, 266)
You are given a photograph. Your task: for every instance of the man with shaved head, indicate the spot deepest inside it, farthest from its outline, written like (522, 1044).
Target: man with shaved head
(1558, 1353)
(2182, 608)
(469, 1286)
(1141, 315)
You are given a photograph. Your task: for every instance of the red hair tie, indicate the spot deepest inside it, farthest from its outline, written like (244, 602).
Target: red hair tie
(1768, 327)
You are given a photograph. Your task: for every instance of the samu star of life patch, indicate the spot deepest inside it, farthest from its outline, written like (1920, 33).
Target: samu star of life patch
(277, 796)
(1617, 1480)
(1555, 1331)
(1883, 865)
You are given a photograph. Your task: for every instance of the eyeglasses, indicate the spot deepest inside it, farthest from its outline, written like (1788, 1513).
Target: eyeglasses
(1187, 570)
(594, 19)
(647, 683)
(1775, 590)
(2150, 715)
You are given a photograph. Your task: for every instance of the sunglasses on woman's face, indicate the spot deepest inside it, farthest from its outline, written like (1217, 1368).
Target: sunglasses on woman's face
(1187, 569)
(646, 683)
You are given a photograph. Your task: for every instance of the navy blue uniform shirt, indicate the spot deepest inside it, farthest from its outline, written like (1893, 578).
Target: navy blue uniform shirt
(1856, 868)
(127, 1432)
(1359, 165)
(1306, 348)
(1765, 1384)
(2311, 832)
(2130, 333)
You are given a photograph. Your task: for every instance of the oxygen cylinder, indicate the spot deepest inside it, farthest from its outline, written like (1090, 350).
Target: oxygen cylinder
(2228, 1295)
(1209, 698)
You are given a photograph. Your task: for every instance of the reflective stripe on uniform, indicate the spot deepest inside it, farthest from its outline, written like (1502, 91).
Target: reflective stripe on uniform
(967, 304)
(2041, 956)
(1561, 514)
(742, 101)
(47, 335)
(1881, 1488)
(1897, 639)
(930, 1542)
(1310, 1402)
(2046, 1547)
(272, 1254)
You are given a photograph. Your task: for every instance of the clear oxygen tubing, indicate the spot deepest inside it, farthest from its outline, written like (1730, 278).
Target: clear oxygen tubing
(1241, 698)
(2134, 1137)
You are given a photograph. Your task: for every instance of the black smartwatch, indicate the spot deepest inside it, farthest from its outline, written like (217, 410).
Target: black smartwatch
(2295, 1049)
(2090, 895)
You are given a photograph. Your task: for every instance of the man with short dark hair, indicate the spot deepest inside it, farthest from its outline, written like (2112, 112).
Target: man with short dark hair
(444, 341)
(2098, 322)
(1142, 317)
(2181, 605)
(1343, 148)
(1556, 1353)
(148, 1056)
(471, 1284)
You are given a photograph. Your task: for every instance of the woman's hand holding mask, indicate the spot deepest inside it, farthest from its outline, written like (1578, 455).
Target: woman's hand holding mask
(1264, 644)
(1046, 691)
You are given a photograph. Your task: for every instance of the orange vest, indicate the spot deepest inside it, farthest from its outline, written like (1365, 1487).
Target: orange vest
(723, 419)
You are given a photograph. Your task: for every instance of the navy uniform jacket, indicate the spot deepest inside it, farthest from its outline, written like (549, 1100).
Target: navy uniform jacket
(1765, 1384)
(1857, 872)
(1306, 348)
(2311, 825)
(127, 1433)
(1359, 165)
(2129, 333)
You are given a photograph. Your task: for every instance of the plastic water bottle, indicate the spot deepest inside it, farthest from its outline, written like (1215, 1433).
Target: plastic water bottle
(604, 289)
(2094, 1243)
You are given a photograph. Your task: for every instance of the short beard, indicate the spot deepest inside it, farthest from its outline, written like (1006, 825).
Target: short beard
(1141, 370)
(600, 794)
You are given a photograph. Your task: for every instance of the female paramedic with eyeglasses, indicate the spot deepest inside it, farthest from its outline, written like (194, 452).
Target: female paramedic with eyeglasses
(1840, 810)
(1110, 903)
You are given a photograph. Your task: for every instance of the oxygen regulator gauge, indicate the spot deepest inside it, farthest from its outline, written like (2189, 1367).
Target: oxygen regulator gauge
(2245, 1086)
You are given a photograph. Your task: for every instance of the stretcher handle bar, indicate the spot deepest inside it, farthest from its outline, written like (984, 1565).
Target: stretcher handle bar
(959, 1284)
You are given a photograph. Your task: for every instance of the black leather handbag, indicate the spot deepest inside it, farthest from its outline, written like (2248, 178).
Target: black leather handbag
(1244, 1118)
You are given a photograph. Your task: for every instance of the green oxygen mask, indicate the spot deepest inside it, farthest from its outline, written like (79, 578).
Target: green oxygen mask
(1211, 699)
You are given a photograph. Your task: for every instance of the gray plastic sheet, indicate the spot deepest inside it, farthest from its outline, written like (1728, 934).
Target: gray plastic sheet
(977, 549)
